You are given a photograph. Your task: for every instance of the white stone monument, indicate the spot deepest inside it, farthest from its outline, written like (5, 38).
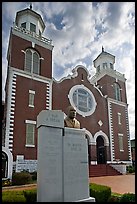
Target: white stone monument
(62, 169)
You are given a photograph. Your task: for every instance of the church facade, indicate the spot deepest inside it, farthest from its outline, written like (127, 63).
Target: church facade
(100, 100)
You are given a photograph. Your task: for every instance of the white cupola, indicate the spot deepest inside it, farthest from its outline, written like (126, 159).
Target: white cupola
(30, 20)
(104, 61)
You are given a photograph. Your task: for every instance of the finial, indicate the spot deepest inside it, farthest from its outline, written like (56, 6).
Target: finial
(102, 49)
(31, 6)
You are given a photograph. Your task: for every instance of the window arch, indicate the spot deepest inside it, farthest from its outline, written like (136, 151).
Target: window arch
(117, 91)
(32, 61)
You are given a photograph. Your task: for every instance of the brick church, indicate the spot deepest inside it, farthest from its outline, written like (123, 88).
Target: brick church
(100, 100)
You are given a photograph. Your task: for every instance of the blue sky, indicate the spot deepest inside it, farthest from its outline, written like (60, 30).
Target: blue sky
(78, 31)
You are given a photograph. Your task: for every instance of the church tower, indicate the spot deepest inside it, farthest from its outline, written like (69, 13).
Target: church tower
(111, 84)
(107, 79)
(29, 79)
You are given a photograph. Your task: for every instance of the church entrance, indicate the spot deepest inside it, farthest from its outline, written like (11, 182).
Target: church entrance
(101, 151)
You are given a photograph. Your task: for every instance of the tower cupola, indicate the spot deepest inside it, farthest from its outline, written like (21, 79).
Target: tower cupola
(104, 61)
(30, 20)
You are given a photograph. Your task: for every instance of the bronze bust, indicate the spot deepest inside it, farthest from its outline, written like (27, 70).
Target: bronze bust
(70, 121)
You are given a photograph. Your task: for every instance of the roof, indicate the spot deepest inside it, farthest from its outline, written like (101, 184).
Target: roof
(30, 11)
(104, 53)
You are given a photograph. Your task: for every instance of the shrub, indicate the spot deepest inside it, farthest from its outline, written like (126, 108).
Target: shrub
(130, 169)
(34, 175)
(100, 192)
(127, 197)
(6, 182)
(114, 198)
(13, 196)
(30, 195)
(21, 178)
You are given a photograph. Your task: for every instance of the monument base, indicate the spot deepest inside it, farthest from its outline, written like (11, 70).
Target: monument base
(62, 170)
(90, 199)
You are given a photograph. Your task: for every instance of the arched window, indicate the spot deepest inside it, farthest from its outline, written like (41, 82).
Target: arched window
(32, 61)
(117, 91)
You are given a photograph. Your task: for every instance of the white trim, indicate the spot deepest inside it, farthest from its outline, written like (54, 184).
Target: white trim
(119, 118)
(74, 74)
(31, 106)
(10, 104)
(31, 91)
(120, 103)
(30, 76)
(30, 122)
(110, 132)
(90, 136)
(50, 95)
(70, 96)
(10, 161)
(105, 137)
(32, 39)
(26, 145)
(109, 72)
(128, 135)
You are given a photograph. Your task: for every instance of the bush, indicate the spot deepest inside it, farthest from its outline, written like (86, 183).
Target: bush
(6, 182)
(21, 178)
(13, 196)
(30, 195)
(127, 197)
(34, 175)
(114, 198)
(100, 192)
(130, 169)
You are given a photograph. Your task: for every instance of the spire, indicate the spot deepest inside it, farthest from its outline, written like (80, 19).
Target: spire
(31, 6)
(102, 49)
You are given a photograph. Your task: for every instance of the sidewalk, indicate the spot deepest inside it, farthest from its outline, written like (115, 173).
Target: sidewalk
(119, 184)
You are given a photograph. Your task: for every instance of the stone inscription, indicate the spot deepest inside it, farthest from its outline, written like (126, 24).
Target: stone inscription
(54, 118)
(75, 168)
(28, 165)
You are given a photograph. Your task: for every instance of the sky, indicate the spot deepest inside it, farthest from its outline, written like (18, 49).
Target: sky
(78, 31)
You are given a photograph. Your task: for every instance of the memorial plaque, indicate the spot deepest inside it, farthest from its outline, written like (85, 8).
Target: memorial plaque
(49, 175)
(76, 183)
(54, 118)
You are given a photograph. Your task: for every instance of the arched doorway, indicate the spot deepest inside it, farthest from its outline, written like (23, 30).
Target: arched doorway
(4, 165)
(7, 163)
(101, 151)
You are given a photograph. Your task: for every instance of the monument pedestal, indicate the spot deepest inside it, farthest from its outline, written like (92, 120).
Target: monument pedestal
(62, 171)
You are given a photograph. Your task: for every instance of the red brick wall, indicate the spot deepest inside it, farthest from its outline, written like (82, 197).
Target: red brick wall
(24, 112)
(18, 57)
(61, 102)
(117, 128)
(107, 89)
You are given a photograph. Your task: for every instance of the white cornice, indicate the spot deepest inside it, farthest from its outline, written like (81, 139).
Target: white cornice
(31, 38)
(120, 103)
(74, 74)
(30, 76)
(112, 73)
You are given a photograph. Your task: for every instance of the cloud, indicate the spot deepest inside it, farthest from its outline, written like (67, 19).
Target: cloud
(78, 31)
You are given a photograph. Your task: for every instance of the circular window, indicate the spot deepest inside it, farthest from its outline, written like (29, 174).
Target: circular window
(82, 99)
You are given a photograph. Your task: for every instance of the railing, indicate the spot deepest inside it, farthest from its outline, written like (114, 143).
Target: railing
(32, 34)
(111, 71)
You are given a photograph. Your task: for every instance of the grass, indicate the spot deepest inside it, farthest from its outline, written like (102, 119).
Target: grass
(13, 196)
